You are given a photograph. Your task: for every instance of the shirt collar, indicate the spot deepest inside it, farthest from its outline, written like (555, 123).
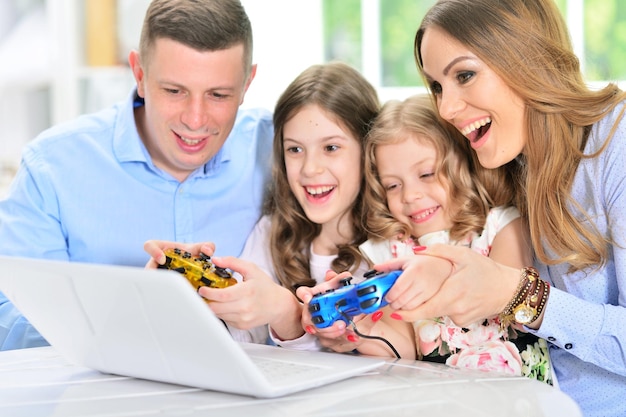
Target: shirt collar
(129, 147)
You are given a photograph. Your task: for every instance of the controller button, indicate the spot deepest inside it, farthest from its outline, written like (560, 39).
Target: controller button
(221, 272)
(346, 281)
(366, 290)
(317, 320)
(368, 303)
(314, 308)
(206, 281)
(370, 273)
(341, 303)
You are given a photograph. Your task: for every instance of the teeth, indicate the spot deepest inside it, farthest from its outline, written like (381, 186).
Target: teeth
(190, 142)
(477, 124)
(424, 214)
(318, 190)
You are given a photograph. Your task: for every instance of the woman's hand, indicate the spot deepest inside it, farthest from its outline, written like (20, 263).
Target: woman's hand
(476, 287)
(155, 249)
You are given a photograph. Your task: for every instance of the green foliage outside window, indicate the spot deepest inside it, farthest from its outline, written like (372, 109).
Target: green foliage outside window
(342, 31)
(605, 40)
(399, 22)
(604, 37)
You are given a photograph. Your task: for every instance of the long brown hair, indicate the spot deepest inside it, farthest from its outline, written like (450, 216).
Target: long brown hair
(346, 95)
(527, 44)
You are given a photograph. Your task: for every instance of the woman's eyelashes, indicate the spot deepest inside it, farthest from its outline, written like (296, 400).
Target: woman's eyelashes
(435, 88)
(464, 76)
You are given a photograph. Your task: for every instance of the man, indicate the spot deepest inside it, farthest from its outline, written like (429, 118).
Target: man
(177, 161)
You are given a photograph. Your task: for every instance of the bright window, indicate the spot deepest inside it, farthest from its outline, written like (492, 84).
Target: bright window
(377, 36)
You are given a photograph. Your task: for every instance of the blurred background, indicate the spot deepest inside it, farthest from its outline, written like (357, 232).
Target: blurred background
(61, 58)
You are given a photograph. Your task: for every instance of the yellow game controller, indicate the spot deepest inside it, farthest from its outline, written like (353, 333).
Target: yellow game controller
(199, 271)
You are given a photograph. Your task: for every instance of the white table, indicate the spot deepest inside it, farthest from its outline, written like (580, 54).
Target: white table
(38, 382)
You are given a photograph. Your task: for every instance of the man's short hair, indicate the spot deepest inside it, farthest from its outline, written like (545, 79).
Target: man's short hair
(204, 25)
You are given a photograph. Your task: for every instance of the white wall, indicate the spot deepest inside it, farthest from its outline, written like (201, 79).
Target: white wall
(39, 47)
(287, 38)
(24, 60)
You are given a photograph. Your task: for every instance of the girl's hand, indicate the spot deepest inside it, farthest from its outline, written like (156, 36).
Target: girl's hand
(256, 301)
(476, 287)
(338, 336)
(155, 249)
(423, 276)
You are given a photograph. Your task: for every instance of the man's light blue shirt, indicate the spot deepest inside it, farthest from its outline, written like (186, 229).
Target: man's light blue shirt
(585, 317)
(87, 191)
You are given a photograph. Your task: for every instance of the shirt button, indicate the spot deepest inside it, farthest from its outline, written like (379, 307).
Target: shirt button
(568, 346)
(551, 339)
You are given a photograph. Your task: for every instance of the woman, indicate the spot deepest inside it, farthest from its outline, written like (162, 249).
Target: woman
(503, 72)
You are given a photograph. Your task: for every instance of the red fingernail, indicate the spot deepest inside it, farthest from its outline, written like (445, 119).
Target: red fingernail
(377, 316)
(352, 338)
(418, 248)
(396, 316)
(309, 329)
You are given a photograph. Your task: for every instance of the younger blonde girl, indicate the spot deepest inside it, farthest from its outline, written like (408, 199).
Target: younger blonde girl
(423, 188)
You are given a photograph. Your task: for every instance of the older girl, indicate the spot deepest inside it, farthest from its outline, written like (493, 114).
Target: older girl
(313, 215)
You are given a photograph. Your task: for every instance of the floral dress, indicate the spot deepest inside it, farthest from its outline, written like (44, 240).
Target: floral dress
(483, 345)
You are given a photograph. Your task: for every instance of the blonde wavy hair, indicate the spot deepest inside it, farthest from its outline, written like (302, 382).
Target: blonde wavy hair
(527, 44)
(468, 184)
(347, 96)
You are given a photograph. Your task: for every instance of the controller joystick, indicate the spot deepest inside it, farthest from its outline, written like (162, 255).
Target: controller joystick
(199, 271)
(350, 300)
(346, 281)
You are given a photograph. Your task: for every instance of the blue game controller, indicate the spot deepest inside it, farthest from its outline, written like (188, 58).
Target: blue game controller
(350, 300)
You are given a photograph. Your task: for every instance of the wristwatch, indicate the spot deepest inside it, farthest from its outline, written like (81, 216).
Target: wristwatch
(530, 309)
(529, 301)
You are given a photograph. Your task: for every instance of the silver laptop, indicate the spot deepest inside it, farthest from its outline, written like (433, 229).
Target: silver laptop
(152, 324)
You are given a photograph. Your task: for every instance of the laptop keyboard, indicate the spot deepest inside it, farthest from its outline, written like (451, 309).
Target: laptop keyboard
(277, 371)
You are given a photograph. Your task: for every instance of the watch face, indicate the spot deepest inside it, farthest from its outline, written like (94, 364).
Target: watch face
(524, 313)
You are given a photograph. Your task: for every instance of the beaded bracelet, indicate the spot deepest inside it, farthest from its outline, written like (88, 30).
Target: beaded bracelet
(531, 310)
(517, 297)
(529, 300)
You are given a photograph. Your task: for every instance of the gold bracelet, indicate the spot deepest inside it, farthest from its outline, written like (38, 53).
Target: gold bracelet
(535, 303)
(516, 298)
(524, 312)
(524, 304)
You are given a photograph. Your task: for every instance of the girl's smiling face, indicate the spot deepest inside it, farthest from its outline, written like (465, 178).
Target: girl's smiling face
(323, 164)
(474, 98)
(415, 195)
